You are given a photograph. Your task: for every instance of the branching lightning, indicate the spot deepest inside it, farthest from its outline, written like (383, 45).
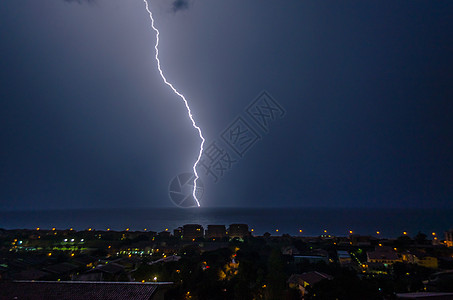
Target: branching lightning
(189, 112)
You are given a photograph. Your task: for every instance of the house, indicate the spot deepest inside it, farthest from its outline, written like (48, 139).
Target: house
(361, 240)
(31, 274)
(107, 272)
(191, 232)
(302, 281)
(440, 282)
(343, 257)
(216, 232)
(449, 238)
(420, 258)
(238, 231)
(62, 271)
(165, 260)
(383, 255)
(290, 250)
(314, 256)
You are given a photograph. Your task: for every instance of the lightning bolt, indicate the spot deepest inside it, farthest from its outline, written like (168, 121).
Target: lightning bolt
(189, 112)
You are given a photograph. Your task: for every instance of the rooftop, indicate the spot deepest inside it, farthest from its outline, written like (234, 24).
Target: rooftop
(75, 290)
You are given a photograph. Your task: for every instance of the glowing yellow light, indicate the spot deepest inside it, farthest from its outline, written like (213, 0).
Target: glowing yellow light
(433, 233)
(145, 229)
(127, 229)
(253, 229)
(300, 230)
(89, 229)
(404, 232)
(380, 245)
(143, 280)
(72, 254)
(108, 229)
(166, 229)
(53, 228)
(49, 254)
(37, 228)
(325, 230)
(378, 232)
(276, 230)
(350, 231)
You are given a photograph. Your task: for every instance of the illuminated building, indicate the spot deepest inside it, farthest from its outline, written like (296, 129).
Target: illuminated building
(343, 257)
(449, 238)
(302, 281)
(216, 231)
(238, 231)
(384, 255)
(191, 232)
(178, 232)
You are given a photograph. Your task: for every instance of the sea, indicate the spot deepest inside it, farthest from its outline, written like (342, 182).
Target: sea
(390, 223)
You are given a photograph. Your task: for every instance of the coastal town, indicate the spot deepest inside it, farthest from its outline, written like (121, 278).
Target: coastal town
(228, 262)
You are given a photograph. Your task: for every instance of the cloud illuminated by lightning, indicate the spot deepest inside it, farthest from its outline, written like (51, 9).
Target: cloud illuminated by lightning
(189, 112)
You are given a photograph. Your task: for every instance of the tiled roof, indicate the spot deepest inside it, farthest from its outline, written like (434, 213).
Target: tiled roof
(73, 290)
(308, 277)
(111, 268)
(31, 274)
(387, 255)
(62, 268)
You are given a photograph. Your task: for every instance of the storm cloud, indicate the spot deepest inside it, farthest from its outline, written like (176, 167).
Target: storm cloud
(80, 1)
(180, 5)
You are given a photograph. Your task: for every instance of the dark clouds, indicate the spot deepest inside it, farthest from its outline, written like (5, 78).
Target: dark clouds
(79, 1)
(86, 120)
(180, 5)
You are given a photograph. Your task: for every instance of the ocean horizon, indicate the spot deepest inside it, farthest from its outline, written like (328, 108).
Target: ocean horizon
(390, 222)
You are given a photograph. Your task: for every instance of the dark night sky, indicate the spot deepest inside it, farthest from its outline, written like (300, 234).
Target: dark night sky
(86, 121)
